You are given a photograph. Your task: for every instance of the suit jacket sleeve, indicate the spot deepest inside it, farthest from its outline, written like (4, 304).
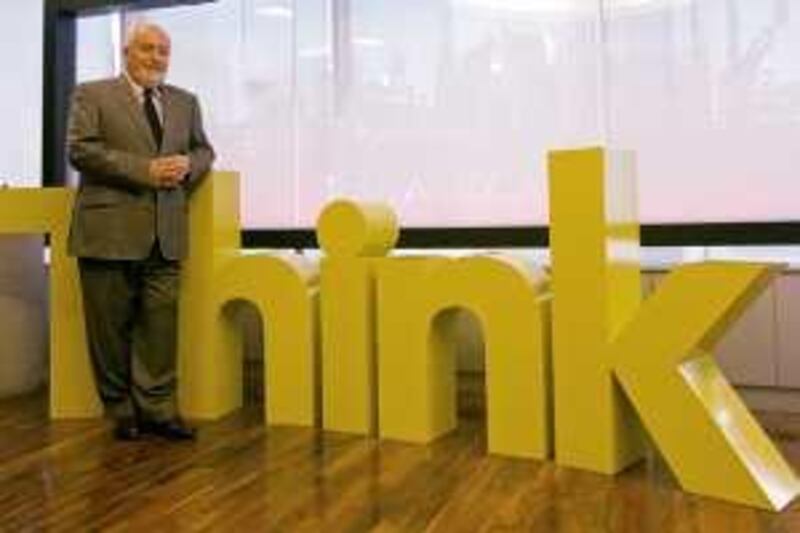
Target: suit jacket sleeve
(201, 153)
(90, 153)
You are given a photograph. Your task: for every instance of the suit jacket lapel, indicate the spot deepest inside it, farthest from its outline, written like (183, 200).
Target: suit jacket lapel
(136, 113)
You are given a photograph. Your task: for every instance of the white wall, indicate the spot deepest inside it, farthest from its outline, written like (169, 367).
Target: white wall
(23, 314)
(21, 40)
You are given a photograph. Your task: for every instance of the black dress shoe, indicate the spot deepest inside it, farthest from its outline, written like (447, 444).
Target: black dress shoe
(172, 429)
(127, 429)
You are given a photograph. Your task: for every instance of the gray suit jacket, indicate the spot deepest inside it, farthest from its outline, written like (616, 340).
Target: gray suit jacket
(119, 211)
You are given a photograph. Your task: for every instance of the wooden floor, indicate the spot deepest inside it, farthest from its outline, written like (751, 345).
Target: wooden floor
(71, 476)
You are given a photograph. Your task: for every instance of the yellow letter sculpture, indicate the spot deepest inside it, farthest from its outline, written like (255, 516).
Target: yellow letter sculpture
(594, 239)
(658, 352)
(611, 352)
(47, 211)
(417, 370)
(707, 435)
(352, 236)
(218, 272)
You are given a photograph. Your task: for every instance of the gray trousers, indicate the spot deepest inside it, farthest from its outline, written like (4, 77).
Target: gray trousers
(131, 314)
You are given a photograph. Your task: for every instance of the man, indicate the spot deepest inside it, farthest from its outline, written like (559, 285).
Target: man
(140, 148)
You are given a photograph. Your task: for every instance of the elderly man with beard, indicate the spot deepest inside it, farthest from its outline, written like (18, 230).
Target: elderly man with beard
(140, 149)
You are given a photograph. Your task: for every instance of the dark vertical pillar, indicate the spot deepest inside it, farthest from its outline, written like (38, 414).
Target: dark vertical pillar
(58, 79)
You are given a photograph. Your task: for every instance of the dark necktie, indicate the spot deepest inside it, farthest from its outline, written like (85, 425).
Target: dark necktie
(152, 116)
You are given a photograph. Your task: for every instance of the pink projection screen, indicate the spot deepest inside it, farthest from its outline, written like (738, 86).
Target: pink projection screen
(446, 109)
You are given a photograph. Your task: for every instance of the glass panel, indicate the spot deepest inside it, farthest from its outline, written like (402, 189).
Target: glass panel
(98, 47)
(239, 57)
(446, 108)
(708, 94)
(442, 108)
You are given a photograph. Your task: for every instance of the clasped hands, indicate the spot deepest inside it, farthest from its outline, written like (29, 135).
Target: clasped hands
(169, 171)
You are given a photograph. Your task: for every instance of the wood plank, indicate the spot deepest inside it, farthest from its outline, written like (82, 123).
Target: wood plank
(240, 476)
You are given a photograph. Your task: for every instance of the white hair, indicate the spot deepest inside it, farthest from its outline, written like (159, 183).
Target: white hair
(139, 26)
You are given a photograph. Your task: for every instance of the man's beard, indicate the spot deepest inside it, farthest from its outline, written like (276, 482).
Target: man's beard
(156, 78)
